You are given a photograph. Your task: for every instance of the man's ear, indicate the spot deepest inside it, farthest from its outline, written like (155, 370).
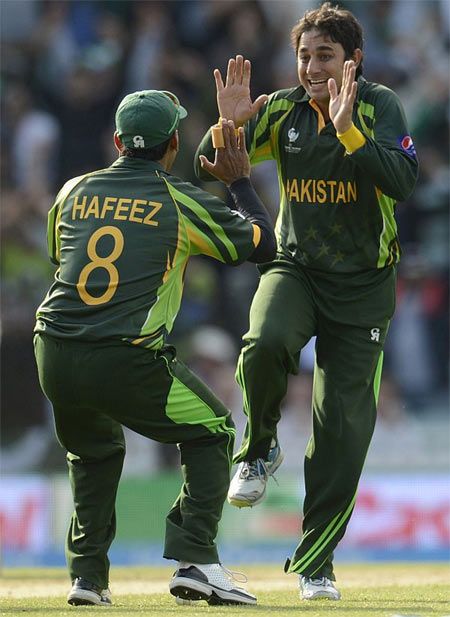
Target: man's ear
(357, 56)
(119, 145)
(174, 143)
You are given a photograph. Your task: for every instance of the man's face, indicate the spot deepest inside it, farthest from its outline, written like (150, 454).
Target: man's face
(318, 59)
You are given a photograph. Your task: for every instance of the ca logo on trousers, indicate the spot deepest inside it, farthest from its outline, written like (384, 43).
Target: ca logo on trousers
(375, 334)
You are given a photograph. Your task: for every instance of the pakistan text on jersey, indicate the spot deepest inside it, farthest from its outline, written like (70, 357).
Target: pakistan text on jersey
(117, 208)
(321, 191)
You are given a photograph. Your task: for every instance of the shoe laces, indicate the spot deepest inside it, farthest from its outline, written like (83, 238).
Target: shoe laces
(256, 469)
(215, 569)
(318, 581)
(239, 577)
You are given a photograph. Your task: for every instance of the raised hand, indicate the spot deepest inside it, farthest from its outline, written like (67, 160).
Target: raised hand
(231, 162)
(233, 98)
(341, 104)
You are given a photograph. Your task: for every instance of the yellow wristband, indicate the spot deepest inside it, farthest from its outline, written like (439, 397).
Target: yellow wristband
(352, 139)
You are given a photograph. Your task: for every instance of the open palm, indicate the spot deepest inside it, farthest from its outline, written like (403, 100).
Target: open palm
(233, 98)
(341, 104)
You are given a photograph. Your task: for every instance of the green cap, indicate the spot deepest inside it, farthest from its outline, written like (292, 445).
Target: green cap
(147, 118)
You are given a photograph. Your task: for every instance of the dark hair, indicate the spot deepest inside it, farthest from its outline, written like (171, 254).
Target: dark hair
(339, 24)
(150, 154)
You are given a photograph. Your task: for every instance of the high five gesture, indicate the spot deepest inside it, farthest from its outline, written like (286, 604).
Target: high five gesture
(233, 97)
(343, 157)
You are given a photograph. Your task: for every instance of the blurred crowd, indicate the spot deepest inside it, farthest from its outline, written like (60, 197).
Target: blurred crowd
(66, 65)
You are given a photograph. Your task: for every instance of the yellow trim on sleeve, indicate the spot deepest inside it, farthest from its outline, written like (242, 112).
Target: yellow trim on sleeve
(256, 235)
(352, 139)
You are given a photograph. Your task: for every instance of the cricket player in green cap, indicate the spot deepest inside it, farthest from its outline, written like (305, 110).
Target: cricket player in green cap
(344, 158)
(121, 238)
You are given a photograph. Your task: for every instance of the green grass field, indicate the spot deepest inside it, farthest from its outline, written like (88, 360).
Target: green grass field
(376, 590)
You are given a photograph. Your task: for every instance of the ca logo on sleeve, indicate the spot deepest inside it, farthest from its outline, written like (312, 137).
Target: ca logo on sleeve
(138, 141)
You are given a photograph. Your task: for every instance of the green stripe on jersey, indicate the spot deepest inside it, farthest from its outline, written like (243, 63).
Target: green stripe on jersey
(389, 231)
(386, 204)
(275, 130)
(281, 188)
(204, 215)
(54, 217)
(264, 122)
(168, 297)
(203, 244)
(264, 144)
(367, 110)
(53, 241)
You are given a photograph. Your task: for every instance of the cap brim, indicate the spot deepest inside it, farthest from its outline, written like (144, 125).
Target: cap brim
(182, 112)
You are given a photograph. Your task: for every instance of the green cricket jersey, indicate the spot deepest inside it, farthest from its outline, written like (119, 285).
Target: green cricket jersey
(122, 237)
(336, 210)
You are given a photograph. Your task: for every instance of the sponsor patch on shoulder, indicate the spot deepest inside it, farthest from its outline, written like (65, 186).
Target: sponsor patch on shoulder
(407, 145)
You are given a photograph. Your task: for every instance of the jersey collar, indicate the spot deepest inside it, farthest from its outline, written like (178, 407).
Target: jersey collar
(128, 162)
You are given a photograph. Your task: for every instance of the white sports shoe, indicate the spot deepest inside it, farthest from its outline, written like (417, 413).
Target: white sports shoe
(248, 486)
(318, 588)
(85, 593)
(211, 582)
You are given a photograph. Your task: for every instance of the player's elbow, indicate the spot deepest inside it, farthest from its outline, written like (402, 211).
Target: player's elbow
(402, 192)
(265, 251)
(405, 188)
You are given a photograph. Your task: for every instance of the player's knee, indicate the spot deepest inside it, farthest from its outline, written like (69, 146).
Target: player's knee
(92, 453)
(270, 343)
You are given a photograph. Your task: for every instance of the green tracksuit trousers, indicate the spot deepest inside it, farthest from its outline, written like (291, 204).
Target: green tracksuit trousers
(95, 388)
(349, 314)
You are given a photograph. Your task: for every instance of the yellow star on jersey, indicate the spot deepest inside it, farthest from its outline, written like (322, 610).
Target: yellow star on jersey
(324, 249)
(311, 234)
(336, 229)
(338, 257)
